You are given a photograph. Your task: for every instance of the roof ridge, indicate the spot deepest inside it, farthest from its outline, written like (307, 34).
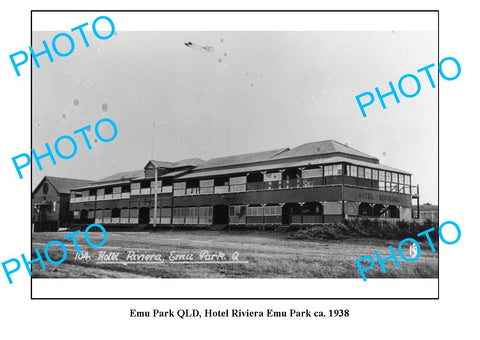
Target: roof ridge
(250, 153)
(348, 146)
(76, 179)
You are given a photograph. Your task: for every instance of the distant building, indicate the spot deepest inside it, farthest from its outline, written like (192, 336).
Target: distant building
(429, 212)
(313, 183)
(50, 202)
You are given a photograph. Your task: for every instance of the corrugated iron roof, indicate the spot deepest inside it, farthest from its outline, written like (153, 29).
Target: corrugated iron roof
(179, 164)
(253, 157)
(160, 164)
(321, 148)
(100, 185)
(173, 173)
(125, 175)
(189, 162)
(62, 184)
(288, 164)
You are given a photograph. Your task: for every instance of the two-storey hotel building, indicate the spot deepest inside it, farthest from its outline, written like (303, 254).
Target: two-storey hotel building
(313, 183)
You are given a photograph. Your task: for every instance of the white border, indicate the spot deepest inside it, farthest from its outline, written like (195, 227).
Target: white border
(243, 21)
(235, 288)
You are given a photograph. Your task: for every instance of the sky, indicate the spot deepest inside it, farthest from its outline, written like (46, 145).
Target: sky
(246, 92)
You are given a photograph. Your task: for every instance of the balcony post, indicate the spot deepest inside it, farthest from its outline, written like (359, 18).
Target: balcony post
(263, 215)
(418, 201)
(301, 211)
(155, 198)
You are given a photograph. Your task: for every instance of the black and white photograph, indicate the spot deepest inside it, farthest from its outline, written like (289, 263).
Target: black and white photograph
(235, 154)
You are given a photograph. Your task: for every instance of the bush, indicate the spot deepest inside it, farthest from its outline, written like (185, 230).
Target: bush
(366, 228)
(330, 231)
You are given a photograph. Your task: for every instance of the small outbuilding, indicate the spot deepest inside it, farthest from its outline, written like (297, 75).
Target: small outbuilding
(50, 203)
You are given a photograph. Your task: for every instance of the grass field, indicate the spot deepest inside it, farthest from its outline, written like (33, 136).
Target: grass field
(259, 255)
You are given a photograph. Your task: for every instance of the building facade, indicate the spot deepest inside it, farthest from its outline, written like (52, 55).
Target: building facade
(50, 203)
(313, 183)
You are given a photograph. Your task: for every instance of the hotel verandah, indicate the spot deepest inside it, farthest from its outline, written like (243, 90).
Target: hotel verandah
(313, 183)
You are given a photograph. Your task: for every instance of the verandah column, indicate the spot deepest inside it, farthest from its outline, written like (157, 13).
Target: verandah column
(301, 211)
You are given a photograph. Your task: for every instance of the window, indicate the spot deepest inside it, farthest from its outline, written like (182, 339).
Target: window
(274, 210)
(124, 213)
(337, 170)
(381, 175)
(311, 173)
(254, 211)
(85, 195)
(353, 170)
(206, 190)
(179, 188)
(192, 211)
(238, 187)
(166, 212)
(178, 212)
(368, 173)
(145, 188)
(166, 189)
(238, 180)
(179, 192)
(159, 183)
(328, 170)
(117, 192)
(275, 176)
(394, 177)
(388, 176)
(193, 191)
(375, 174)
(401, 178)
(407, 179)
(220, 189)
(237, 210)
(135, 188)
(392, 187)
(152, 187)
(206, 183)
(76, 215)
(238, 184)
(381, 185)
(361, 172)
(54, 206)
(205, 211)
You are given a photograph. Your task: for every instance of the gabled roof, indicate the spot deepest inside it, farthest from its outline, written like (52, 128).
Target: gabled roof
(246, 158)
(62, 184)
(322, 148)
(174, 173)
(172, 165)
(288, 163)
(189, 162)
(125, 175)
(159, 164)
